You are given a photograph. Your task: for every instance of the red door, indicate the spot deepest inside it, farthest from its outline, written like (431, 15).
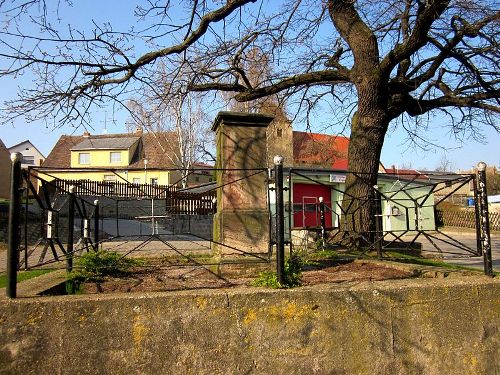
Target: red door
(306, 205)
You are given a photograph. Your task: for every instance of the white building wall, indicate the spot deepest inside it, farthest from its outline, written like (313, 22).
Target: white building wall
(31, 156)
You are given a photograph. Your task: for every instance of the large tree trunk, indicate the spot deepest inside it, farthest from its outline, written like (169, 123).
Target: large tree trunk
(369, 126)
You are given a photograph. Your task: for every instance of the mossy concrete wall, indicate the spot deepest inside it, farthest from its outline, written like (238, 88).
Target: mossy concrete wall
(446, 326)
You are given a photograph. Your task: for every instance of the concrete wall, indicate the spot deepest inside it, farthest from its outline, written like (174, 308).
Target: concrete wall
(427, 326)
(27, 149)
(280, 141)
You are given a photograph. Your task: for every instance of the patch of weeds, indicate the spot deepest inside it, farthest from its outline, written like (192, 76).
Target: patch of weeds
(323, 254)
(95, 265)
(23, 275)
(268, 279)
(406, 258)
(293, 274)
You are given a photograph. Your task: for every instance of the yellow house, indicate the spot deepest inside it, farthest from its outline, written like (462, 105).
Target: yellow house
(137, 158)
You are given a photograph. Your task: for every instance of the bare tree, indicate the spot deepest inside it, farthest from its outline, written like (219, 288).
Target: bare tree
(444, 164)
(374, 62)
(182, 121)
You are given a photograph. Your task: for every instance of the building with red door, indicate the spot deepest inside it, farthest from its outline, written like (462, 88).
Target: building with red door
(316, 169)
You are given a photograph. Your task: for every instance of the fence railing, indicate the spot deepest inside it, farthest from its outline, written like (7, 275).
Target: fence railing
(191, 203)
(116, 188)
(465, 219)
(181, 203)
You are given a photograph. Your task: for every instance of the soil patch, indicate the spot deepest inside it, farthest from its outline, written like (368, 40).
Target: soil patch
(354, 271)
(203, 277)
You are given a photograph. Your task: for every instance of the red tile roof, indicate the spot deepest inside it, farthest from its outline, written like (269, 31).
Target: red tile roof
(321, 150)
(406, 174)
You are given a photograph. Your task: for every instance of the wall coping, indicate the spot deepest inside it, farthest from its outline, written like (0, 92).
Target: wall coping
(247, 119)
(350, 287)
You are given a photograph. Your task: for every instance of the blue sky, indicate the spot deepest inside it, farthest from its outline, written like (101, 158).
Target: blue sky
(461, 154)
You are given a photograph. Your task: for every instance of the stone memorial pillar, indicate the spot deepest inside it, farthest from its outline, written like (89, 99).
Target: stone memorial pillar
(242, 219)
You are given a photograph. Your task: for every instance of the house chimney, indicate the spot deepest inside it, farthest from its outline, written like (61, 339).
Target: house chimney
(138, 130)
(86, 134)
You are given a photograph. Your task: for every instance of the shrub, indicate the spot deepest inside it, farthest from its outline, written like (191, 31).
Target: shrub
(293, 274)
(95, 265)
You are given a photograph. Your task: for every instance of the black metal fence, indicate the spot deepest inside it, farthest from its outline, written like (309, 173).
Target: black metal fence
(58, 219)
(115, 188)
(402, 209)
(177, 202)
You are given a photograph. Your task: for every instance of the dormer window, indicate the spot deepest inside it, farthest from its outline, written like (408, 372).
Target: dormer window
(115, 157)
(83, 158)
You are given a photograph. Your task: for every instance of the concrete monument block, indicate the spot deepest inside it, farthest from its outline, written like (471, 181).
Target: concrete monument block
(241, 223)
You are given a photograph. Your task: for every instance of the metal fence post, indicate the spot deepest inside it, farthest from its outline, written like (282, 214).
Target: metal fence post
(280, 220)
(485, 220)
(323, 222)
(96, 225)
(378, 238)
(477, 215)
(14, 214)
(71, 229)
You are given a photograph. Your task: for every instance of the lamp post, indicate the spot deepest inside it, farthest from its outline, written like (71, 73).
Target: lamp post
(280, 217)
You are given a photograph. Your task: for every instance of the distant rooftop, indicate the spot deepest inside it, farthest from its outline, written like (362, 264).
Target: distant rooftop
(111, 143)
(327, 151)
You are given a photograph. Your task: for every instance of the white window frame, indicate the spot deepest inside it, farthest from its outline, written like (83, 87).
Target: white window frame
(136, 180)
(80, 154)
(154, 181)
(115, 153)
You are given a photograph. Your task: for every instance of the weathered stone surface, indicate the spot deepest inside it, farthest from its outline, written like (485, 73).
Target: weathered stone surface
(243, 231)
(399, 327)
(242, 193)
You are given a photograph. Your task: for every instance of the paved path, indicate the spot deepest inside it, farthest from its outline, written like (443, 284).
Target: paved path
(135, 239)
(463, 258)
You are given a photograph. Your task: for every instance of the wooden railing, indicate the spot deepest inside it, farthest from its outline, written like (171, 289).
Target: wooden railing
(115, 189)
(191, 203)
(465, 219)
(176, 202)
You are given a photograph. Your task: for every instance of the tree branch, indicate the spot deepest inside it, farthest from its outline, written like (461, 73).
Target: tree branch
(428, 12)
(325, 77)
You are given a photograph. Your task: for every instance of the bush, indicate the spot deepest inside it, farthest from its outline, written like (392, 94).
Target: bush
(293, 274)
(95, 265)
